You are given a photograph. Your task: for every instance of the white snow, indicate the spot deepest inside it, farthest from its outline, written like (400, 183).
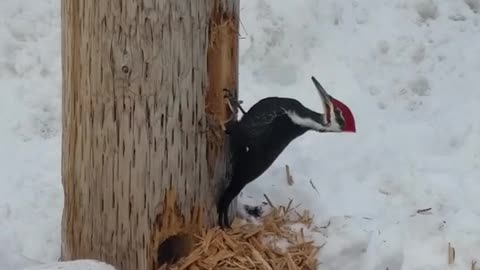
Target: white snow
(73, 265)
(408, 69)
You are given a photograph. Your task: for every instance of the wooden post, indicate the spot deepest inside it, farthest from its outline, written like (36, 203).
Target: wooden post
(143, 156)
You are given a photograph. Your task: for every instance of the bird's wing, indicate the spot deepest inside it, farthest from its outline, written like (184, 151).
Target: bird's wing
(261, 125)
(260, 120)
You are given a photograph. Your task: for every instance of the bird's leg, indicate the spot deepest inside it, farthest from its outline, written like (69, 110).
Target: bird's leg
(226, 199)
(233, 105)
(232, 101)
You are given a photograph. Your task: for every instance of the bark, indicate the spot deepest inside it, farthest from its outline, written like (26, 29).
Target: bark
(144, 158)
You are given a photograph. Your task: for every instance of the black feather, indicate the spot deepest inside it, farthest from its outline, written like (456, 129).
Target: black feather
(257, 140)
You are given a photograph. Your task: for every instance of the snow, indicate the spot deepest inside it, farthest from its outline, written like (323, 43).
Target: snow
(408, 69)
(73, 265)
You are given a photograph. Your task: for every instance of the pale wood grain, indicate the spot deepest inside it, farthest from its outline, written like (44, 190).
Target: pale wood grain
(140, 161)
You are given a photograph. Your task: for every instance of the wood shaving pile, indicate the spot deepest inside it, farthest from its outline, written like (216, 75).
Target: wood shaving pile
(252, 246)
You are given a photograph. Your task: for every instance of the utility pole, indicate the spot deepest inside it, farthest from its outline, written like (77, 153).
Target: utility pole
(144, 158)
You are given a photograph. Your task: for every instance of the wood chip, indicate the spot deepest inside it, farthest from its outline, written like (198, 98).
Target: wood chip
(257, 246)
(314, 187)
(289, 175)
(268, 200)
(451, 254)
(420, 211)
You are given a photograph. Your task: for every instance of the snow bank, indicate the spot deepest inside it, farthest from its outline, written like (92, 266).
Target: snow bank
(409, 71)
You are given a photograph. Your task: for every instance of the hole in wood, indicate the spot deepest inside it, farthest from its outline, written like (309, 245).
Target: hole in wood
(174, 248)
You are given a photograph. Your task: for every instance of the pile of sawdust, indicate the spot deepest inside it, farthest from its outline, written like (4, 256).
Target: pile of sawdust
(271, 245)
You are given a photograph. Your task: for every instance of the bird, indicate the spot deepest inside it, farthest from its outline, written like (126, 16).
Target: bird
(266, 129)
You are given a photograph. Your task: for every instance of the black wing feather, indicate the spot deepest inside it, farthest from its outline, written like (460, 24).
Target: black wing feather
(261, 118)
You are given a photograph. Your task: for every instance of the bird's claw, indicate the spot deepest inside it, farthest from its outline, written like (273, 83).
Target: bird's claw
(222, 211)
(223, 220)
(232, 102)
(230, 99)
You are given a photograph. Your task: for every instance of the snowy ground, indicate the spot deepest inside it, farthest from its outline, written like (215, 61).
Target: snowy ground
(409, 69)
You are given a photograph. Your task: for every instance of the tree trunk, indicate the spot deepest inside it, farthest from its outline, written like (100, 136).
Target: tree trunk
(144, 158)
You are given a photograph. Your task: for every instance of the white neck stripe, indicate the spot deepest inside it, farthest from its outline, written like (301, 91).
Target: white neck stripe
(311, 124)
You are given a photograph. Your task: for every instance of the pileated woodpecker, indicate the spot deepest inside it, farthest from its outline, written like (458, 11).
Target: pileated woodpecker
(266, 130)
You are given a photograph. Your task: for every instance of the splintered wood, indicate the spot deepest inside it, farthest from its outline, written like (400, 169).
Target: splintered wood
(271, 245)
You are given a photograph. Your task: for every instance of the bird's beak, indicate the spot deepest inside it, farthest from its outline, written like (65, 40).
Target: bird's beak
(327, 103)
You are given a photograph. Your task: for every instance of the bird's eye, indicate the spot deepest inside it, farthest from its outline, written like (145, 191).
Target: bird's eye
(339, 117)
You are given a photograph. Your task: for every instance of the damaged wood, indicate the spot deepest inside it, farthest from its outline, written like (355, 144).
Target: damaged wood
(222, 65)
(172, 236)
